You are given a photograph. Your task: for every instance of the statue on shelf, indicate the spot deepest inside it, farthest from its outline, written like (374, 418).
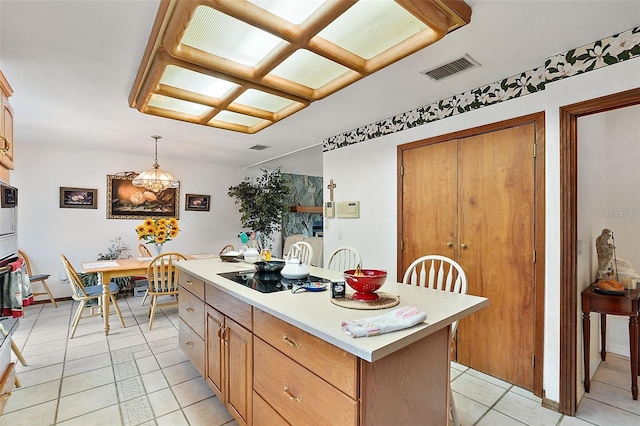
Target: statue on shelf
(605, 251)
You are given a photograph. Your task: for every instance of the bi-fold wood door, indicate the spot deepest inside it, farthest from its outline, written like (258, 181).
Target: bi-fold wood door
(472, 199)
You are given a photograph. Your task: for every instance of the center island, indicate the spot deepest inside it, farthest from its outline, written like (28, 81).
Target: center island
(282, 358)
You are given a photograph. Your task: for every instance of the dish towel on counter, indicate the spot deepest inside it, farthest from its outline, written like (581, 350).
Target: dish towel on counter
(391, 321)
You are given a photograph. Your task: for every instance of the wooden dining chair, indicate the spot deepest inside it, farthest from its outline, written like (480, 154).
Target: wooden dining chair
(439, 273)
(39, 278)
(17, 353)
(143, 251)
(343, 259)
(162, 276)
(227, 249)
(83, 294)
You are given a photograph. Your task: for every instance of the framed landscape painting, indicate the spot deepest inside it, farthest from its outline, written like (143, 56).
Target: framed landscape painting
(78, 198)
(125, 201)
(198, 203)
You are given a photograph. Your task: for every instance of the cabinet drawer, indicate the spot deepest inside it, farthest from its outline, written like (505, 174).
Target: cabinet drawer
(192, 345)
(297, 394)
(228, 305)
(191, 310)
(333, 364)
(264, 414)
(193, 284)
(6, 386)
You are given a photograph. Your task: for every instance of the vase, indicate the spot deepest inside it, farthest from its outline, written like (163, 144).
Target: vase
(158, 248)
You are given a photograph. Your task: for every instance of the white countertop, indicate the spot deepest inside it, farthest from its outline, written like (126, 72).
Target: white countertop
(314, 313)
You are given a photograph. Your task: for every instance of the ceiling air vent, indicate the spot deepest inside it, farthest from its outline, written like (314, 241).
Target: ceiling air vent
(259, 147)
(451, 68)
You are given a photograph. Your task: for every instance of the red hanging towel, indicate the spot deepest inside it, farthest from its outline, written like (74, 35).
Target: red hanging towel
(19, 290)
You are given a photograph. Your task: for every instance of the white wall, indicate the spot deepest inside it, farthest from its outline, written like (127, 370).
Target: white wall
(367, 172)
(608, 197)
(46, 231)
(592, 188)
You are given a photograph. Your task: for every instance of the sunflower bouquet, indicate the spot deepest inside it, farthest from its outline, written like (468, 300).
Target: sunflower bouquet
(158, 231)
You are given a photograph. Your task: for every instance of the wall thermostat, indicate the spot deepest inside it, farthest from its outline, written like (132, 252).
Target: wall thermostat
(348, 209)
(329, 210)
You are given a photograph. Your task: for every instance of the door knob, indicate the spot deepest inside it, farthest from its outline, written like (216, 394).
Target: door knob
(464, 246)
(449, 244)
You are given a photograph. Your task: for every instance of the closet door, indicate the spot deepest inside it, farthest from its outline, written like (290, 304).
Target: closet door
(429, 202)
(496, 250)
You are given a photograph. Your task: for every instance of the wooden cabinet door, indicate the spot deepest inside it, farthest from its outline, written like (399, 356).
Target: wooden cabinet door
(238, 344)
(496, 250)
(6, 130)
(215, 353)
(429, 202)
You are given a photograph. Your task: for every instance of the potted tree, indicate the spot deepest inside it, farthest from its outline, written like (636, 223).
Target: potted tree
(262, 201)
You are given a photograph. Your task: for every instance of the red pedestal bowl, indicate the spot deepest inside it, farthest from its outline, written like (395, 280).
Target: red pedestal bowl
(366, 284)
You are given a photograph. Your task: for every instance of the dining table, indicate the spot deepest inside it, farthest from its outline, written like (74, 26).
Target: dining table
(109, 269)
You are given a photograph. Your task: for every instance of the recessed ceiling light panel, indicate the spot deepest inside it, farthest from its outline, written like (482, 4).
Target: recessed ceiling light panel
(208, 59)
(369, 28)
(195, 82)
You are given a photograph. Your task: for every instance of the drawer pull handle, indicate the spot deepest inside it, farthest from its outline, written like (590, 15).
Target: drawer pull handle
(291, 342)
(190, 344)
(190, 310)
(189, 282)
(291, 397)
(7, 395)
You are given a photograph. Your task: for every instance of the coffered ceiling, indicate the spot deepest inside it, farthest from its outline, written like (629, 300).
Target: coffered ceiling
(72, 65)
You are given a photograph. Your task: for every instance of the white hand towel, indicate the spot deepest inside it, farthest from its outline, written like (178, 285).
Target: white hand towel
(391, 321)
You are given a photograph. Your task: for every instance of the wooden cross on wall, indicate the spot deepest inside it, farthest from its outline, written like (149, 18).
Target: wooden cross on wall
(331, 187)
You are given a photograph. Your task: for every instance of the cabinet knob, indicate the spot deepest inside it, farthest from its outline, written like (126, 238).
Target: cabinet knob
(464, 246)
(291, 342)
(449, 244)
(5, 396)
(189, 282)
(291, 397)
(190, 310)
(190, 344)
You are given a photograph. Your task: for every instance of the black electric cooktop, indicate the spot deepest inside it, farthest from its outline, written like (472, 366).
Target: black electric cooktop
(267, 282)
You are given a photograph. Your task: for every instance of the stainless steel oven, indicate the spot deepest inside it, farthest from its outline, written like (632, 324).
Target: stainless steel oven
(8, 220)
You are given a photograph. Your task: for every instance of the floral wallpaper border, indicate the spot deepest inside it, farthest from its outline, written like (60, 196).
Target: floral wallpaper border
(592, 56)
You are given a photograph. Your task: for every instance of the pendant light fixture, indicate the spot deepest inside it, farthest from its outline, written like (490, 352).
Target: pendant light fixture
(156, 179)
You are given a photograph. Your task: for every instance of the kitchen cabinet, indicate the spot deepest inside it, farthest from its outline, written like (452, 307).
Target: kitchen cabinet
(472, 198)
(6, 130)
(279, 358)
(191, 309)
(229, 343)
(230, 364)
(220, 348)
(6, 145)
(304, 379)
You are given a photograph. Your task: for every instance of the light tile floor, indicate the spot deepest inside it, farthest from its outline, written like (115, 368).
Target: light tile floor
(140, 377)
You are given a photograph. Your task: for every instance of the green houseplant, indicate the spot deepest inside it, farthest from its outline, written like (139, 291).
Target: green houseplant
(262, 202)
(117, 250)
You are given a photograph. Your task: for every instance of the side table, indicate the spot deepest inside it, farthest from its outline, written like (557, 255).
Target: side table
(625, 304)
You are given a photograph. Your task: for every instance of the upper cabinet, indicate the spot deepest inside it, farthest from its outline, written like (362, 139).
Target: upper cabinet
(6, 129)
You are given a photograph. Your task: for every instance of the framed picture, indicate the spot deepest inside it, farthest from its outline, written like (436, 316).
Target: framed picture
(78, 198)
(198, 203)
(125, 201)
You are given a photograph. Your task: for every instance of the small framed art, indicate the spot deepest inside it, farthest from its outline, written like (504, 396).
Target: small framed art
(78, 198)
(197, 203)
